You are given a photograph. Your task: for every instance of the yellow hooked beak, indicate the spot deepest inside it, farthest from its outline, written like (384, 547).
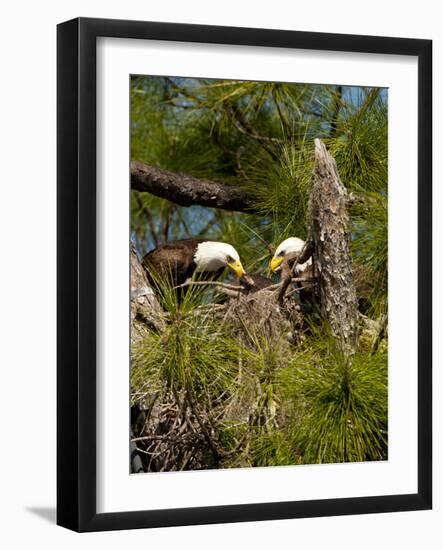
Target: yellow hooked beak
(237, 268)
(275, 263)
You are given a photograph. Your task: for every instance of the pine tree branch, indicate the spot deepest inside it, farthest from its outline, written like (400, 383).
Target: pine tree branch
(336, 106)
(186, 190)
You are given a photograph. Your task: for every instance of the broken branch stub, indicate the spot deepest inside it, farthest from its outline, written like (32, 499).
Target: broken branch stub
(332, 260)
(146, 312)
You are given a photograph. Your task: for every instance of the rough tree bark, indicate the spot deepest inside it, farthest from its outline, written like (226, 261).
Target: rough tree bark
(329, 220)
(146, 312)
(186, 190)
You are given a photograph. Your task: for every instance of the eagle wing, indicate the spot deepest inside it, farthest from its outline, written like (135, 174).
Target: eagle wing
(173, 261)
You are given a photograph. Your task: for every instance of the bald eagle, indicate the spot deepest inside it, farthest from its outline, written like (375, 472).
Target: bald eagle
(179, 260)
(289, 250)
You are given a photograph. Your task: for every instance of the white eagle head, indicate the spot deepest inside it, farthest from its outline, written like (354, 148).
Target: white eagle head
(289, 249)
(212, 256)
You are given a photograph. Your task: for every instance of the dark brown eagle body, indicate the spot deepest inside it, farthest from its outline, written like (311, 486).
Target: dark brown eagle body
(174, 262)
(253, 282)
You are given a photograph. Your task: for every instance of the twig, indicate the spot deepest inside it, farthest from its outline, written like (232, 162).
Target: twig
(298, 290)
(336, 106)
(161, 438)
(210, 307)
(215, 283)
(293, 280)
(244, 126)
(218, 453)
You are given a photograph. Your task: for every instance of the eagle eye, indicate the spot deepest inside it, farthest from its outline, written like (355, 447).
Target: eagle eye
(282, 253)
(230, 259)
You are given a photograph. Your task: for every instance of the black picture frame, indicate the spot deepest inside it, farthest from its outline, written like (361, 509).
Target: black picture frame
(76, 281)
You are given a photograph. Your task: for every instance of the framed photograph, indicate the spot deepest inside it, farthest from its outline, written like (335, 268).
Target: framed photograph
(244, 274)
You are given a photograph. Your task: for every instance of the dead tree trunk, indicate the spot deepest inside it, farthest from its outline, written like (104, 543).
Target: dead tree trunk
(146, 312)
(332, 261)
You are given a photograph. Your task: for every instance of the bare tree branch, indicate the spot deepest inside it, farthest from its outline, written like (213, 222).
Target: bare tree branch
(186, 190)
(336, 106)
(244, 127)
